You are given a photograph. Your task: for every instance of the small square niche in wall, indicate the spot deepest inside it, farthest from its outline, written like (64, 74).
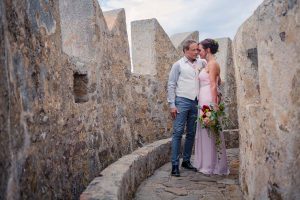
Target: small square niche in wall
(80, 87)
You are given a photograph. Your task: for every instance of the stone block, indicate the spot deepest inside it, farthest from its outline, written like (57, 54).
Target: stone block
(114, 18)
(225, 59)
(178, 39)
(82, 29)
(143, 48)
(151, 47)
(119, 46)
(223, 55)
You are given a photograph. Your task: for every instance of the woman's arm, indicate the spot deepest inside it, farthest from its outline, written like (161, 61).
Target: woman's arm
(214, 72)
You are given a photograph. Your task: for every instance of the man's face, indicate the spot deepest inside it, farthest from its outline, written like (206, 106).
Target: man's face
(192, 53)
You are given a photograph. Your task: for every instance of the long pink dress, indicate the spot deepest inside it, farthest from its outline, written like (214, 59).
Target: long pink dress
(206, 158)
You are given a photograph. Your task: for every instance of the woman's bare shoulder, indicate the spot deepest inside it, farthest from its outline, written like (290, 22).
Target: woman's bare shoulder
(214, 65)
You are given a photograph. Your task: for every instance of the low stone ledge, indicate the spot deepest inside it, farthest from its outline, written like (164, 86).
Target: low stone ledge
(120, 180)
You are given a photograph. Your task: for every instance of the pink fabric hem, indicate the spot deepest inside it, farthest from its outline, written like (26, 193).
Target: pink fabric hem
(213, 173)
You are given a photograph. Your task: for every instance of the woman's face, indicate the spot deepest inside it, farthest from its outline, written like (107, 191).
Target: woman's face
(202, 52)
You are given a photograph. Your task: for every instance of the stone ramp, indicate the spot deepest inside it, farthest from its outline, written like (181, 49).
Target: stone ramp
(192, 185)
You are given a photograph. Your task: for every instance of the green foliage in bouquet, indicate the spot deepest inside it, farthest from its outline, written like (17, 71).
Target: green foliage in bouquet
(214, 119)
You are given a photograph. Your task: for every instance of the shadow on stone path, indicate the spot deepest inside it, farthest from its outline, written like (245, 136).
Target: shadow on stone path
(192, 185)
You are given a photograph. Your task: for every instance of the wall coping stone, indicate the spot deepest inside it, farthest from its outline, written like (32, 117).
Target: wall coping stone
(121, 179)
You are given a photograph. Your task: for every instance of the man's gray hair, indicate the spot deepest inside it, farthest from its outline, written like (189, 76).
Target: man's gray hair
(186, 44)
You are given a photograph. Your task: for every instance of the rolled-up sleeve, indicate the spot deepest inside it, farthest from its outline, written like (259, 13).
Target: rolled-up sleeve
(172, 84)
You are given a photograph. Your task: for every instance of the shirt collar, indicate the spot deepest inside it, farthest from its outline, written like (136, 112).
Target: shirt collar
(185, 59)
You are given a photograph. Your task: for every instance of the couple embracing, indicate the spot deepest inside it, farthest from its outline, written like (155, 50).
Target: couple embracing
(192, 83)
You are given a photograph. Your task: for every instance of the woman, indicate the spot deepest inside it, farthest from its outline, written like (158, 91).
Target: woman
(207, 159)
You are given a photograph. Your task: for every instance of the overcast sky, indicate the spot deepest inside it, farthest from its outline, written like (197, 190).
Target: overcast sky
(212, 18)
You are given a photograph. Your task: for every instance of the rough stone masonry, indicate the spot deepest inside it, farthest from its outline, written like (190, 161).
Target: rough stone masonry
(70, 105)
(52, 140)
(267, 68)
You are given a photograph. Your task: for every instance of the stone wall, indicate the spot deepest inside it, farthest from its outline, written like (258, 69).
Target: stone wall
(121, 179)
(228, 85)
(153, 55)
(69, 104)
(266, 58)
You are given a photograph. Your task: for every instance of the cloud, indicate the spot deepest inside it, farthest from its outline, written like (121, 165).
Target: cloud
(213, 18)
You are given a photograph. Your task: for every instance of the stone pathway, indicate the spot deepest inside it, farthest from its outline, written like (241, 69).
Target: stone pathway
(192, 185)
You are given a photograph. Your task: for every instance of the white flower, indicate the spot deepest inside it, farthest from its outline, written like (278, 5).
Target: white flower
(208, 114)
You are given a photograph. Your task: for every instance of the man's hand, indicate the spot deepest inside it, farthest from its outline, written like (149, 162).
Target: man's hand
(173, 112)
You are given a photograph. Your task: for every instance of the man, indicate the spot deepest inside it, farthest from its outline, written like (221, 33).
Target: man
(183, 87)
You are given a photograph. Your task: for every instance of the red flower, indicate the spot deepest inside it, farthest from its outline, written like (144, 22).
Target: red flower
(204, 107)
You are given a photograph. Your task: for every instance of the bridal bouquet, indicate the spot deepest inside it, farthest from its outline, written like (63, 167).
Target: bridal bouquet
(214, 120)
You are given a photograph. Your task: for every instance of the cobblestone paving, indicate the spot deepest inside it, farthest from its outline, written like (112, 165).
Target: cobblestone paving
(192, 185)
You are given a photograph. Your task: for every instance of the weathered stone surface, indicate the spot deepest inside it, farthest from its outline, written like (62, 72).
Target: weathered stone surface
(5, 159)
(121, 179)
(153, 55)
(179, 38)
(143, 48)
(192, 185)
(113, 17)
(231, 138)
(70, 104)
(151, 47)
(116, 22)
(266, 58)
(177, 191)
(83, 29)
(228, 86)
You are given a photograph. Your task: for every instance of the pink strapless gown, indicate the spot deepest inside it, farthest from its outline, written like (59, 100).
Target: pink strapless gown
(206, 158)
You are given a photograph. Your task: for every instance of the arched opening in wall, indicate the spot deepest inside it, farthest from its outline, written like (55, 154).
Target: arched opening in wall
(80, 87)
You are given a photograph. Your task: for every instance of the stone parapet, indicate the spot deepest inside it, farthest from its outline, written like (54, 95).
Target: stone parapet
(120, 180)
